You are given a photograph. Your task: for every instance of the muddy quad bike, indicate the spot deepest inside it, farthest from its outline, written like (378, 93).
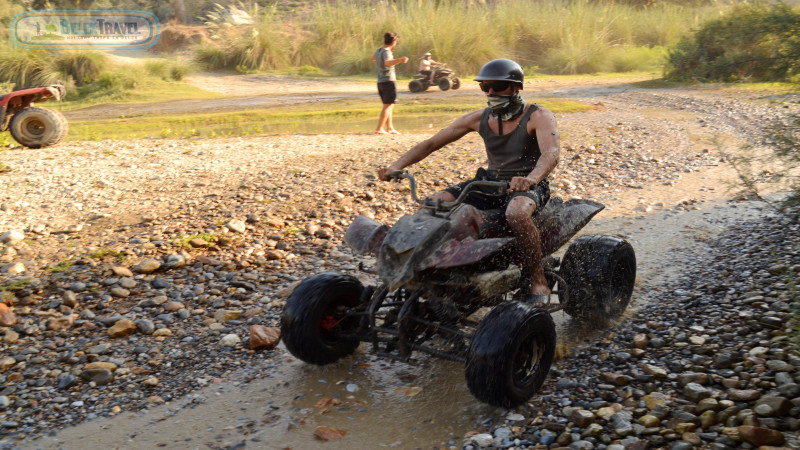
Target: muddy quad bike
(439, 269)
(444, 78)
(32, 126)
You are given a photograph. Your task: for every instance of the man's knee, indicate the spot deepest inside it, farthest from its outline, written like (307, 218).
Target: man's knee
(520, 211)
(444, 196)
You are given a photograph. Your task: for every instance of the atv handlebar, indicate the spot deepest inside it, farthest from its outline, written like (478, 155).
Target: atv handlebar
(440, 205)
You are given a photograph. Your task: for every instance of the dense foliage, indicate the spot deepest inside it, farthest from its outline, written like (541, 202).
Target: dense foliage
(753, 42)
(550, 36)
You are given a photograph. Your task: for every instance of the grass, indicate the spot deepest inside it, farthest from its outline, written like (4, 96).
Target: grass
(184, 241)
(15, 285)
(344, 115)
(101, 253)
(151, 90)
(63, 266)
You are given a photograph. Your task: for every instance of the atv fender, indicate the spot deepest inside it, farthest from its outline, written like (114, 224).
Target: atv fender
(407, 244)
(559, 221)
(460, 253)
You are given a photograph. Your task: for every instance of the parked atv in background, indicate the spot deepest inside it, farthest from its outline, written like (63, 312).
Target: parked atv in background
(439, 269)
(444, 78)
(30, 125)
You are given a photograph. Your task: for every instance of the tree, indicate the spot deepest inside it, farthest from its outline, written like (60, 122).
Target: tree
(753, 42)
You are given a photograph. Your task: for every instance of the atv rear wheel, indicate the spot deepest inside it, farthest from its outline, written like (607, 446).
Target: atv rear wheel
(315, 326)
(445, 83)
(416, 86)
(38, 127)
(456, 83)
(511, 353)
(600, 272)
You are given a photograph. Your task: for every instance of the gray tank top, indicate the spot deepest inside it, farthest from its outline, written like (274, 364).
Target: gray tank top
(385, 73)
(511, 155)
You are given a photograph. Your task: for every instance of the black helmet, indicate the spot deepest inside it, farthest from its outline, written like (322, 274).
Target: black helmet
(501, 70)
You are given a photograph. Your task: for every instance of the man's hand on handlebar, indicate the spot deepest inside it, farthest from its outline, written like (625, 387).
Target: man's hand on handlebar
(389, 174)
(520, 184)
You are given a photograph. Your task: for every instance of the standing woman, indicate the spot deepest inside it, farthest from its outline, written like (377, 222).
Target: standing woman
(385, 62)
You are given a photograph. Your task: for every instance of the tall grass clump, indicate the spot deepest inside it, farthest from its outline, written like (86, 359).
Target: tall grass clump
(582, 36)
(755, 42)
(25, 68)
(261, 45)
(344, 35)
(82, 66)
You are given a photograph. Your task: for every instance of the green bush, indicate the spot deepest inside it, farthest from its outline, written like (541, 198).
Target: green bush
(83, 66)
(753, 42)
(309, 71)
(211, 56)
(168, 69)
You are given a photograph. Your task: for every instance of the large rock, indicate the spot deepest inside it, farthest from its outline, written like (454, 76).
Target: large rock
(759, 436)
(7, 316)
(262, 337)
(149, 265)
(122, 328)
(11, 237)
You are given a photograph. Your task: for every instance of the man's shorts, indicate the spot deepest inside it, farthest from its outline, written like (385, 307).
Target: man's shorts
(479, 198)
(388, 92)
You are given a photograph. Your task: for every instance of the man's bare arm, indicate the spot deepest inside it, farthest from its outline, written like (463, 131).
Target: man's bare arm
(453, 132)
(396, 61)
(546, 130)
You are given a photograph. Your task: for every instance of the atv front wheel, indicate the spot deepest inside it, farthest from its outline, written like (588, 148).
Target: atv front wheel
(315, 326)
(511, 353)
(445, 83)
(600, 272)
(456, 83)
(38, 127)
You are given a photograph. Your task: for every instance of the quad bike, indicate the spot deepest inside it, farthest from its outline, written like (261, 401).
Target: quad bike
(440, 268)
(444, 78)
(32, 126)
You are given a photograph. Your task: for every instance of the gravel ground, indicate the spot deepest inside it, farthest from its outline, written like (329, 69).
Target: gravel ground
(135, 272)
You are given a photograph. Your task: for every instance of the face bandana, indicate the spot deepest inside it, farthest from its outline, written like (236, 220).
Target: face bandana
(505, 107)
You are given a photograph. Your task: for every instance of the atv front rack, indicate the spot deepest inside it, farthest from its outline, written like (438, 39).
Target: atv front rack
(396, 324)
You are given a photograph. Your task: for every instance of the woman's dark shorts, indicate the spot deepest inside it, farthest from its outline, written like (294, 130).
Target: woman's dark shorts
(388, 92)
(480, 199)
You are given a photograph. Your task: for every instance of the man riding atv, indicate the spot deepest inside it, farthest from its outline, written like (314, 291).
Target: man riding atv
(522, 145)
(426, 66)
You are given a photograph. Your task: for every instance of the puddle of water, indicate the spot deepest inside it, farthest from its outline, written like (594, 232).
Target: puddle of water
(363, 395)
